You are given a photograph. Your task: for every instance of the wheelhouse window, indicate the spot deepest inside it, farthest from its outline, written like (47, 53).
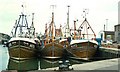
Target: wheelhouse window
(26, 44)
(13, 43)
(10, 45)
(74, 45)
(32, 46)
(95, 46)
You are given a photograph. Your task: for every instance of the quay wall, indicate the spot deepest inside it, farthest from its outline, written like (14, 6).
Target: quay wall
(107, 53)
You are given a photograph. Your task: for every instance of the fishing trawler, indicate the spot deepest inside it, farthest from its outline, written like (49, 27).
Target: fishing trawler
(52, 48)
(22, 44)
(83, 45)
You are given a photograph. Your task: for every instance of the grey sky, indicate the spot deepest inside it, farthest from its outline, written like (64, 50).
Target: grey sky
(99, 11)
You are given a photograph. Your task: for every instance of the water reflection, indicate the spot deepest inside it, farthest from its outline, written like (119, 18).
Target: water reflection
(27, 65)
(45, 63)
(4, 56)
(36, 64)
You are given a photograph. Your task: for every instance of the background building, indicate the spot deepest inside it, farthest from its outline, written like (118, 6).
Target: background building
(117, 27)
(119, 12)
(117, 33)
(109, 35)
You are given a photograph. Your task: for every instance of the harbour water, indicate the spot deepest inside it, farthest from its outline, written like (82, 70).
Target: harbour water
(31, 64)
(3, 57)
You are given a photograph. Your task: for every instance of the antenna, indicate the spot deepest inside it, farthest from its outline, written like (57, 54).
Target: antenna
(32, 17)
(32, 25)
(23, 6)
(106, 24)
(52, 23)
(104, 27)
(68, 29)
(22, 9)
(85, 12)
(53, 7)
(68, 16)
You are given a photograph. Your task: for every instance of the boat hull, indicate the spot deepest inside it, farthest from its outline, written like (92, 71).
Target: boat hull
(52, 51)
(21, 50)
(86, 50)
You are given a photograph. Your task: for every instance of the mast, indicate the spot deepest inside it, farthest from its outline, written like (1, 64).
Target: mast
(21, 24)
(52, 23)
(52, 26)
(32, 28)
(50, 32)
(86, 27)
(22, 21)
(16, 25)
(106, 24)
(61, 31)
(46, 35)
(46, 28)
(74, 29)
(68, 17)
(67, 33)
(32, 19)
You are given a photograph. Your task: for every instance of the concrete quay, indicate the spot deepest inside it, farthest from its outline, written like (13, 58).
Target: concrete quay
(110, 64)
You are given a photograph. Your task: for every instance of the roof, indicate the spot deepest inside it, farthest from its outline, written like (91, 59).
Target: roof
(117, 25)
(22, 39)
(109, 32)
(81, 41)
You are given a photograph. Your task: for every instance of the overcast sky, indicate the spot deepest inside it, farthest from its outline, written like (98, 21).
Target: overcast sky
(99, 11)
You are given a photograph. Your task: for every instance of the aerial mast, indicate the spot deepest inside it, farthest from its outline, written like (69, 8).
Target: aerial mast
(86, 26)
(68, 28)
(52, 23)
(46, 30)
(32, 28)
(61, 31)
(85, 13)
(106, 24)
(74, 29)
(22, 22)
